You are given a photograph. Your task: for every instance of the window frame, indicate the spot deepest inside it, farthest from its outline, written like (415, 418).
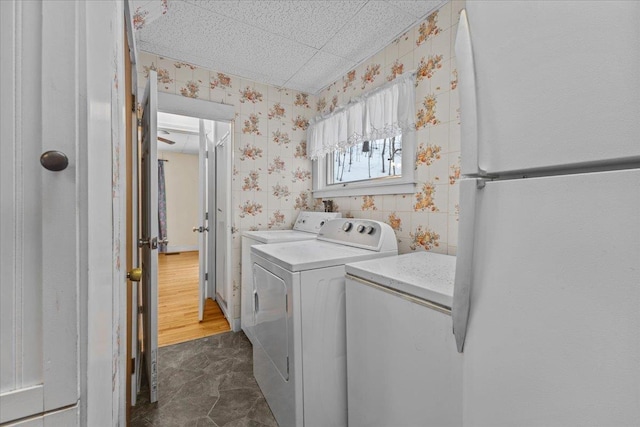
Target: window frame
(404, 184)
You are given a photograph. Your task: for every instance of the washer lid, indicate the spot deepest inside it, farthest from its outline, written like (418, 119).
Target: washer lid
(312, 254)
(306, 227)
(424, 275)
(278, 236)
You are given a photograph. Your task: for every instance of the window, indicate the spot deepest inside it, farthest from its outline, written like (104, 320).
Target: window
(367, 168)
(361, 148)
(367, 160)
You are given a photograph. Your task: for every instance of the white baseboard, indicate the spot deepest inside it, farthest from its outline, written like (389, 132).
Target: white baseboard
(184, 248)
(235, 325)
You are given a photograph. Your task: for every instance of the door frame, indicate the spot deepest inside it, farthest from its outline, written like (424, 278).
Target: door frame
(207, 110)
(102, 210)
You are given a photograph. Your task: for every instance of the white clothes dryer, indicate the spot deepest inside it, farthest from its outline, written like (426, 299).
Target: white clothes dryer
(299, 352)
(306, 227)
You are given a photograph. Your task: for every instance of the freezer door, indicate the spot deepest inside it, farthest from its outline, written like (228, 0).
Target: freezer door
(553, 334)
(556, 84)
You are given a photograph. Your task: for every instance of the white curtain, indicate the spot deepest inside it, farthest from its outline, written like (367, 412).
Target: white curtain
(384, 112)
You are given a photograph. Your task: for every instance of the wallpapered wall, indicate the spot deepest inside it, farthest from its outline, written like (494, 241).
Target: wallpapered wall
(272, 174)
(428, 219)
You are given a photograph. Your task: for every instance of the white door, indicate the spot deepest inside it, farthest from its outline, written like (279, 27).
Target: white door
(550, 90)
(149, 232)
(552, 337)
(202, 219)
(40, 218)
(223, 171)
(211, 212)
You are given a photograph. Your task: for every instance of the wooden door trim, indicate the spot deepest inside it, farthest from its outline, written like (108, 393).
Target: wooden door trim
(129, 111)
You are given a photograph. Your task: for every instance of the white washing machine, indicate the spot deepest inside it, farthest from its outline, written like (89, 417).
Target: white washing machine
(306, 227)
(403, 367)
(299, 354)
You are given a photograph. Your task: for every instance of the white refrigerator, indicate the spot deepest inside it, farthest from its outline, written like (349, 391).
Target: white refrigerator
(546, 306)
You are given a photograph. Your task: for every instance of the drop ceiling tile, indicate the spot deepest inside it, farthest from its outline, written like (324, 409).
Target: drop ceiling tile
(277, 42)
(375, 26)
(322, 70)
(223, 44)
(417, 8)
(311, 23)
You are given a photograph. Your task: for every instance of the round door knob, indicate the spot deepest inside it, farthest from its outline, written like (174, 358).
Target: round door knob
(54, 161)
(135, 275)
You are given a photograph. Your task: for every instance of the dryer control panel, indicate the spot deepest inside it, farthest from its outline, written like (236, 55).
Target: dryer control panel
(361, 233)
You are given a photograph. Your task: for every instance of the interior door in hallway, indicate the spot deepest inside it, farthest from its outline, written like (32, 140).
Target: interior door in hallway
(223, 171)
(212, 190)
(149, 231)
(202, 220)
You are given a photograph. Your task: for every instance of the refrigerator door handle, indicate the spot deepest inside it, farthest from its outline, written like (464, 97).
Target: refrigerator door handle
(464, 258)
(469, 162)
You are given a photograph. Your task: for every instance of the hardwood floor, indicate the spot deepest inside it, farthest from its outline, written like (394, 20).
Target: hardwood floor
(178, 302)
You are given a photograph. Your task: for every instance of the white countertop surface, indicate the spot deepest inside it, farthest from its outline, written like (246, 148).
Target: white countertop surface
(424, 275)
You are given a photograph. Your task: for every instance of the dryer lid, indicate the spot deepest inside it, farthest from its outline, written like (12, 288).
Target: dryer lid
(278, 236)
(313, 254)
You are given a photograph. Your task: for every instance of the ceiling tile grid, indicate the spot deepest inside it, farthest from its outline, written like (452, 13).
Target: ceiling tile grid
(304, 45)
(311, 23)
(221, 43)
(370, 30)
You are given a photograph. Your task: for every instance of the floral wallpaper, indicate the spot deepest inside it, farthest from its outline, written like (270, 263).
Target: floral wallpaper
(428, 219)
(271, 172)
(272, 177)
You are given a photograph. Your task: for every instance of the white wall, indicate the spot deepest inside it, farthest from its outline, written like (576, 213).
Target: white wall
(181, 180)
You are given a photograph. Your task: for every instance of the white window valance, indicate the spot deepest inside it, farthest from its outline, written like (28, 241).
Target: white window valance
(384, 112)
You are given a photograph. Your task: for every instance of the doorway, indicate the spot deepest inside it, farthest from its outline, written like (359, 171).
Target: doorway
(187, 306)
(214, 125)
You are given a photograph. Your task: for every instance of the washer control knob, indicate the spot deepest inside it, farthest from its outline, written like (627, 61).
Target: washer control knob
(347, 226)
(361, 228)
(321, 223)
(369, 229)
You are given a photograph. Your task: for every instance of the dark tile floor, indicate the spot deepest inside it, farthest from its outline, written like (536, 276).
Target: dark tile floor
(205, 382)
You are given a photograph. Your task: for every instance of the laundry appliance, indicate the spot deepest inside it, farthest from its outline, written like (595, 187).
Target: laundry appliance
(299, 355)
(547, 283)
(306, 227)
(402, 365)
